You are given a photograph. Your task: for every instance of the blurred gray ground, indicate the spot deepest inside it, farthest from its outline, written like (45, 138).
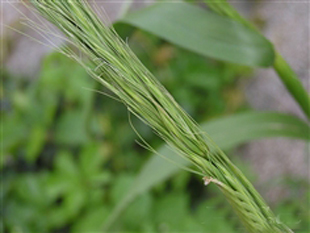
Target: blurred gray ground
(286, 25)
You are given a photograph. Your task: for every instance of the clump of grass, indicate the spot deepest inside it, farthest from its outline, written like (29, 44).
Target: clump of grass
(117, 68)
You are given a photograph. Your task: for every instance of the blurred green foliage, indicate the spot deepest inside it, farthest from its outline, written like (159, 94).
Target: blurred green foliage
(70, 153)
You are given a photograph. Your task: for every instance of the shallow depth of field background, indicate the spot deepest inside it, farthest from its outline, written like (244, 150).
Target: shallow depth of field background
(70, 154)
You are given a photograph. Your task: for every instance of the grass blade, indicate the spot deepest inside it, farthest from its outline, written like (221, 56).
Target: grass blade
(204, 32)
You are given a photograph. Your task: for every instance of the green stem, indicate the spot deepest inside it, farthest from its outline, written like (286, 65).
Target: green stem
(283, 69)
(292, 83)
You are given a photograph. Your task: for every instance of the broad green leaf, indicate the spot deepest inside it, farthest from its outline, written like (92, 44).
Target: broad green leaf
(204, 32)
(227, 132)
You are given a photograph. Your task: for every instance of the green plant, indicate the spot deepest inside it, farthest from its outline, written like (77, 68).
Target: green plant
(61, 145)
(101, 166)
(81, 166)
(147, 99)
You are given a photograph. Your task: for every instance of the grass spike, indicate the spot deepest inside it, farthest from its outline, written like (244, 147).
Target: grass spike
(117, 68)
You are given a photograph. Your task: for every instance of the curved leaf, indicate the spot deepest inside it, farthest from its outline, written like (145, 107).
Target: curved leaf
(204, 32)
(227, 132)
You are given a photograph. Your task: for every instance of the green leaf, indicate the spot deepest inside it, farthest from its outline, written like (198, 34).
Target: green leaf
(29, 188)
(91, 221)
(232, 131)
(210, 218)
(13, 134)
(141, 210)
(71, 128)
(91, 160)
(66, 166)
(227, 132)
(36, 142)
(204, 32)
(170, 209)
